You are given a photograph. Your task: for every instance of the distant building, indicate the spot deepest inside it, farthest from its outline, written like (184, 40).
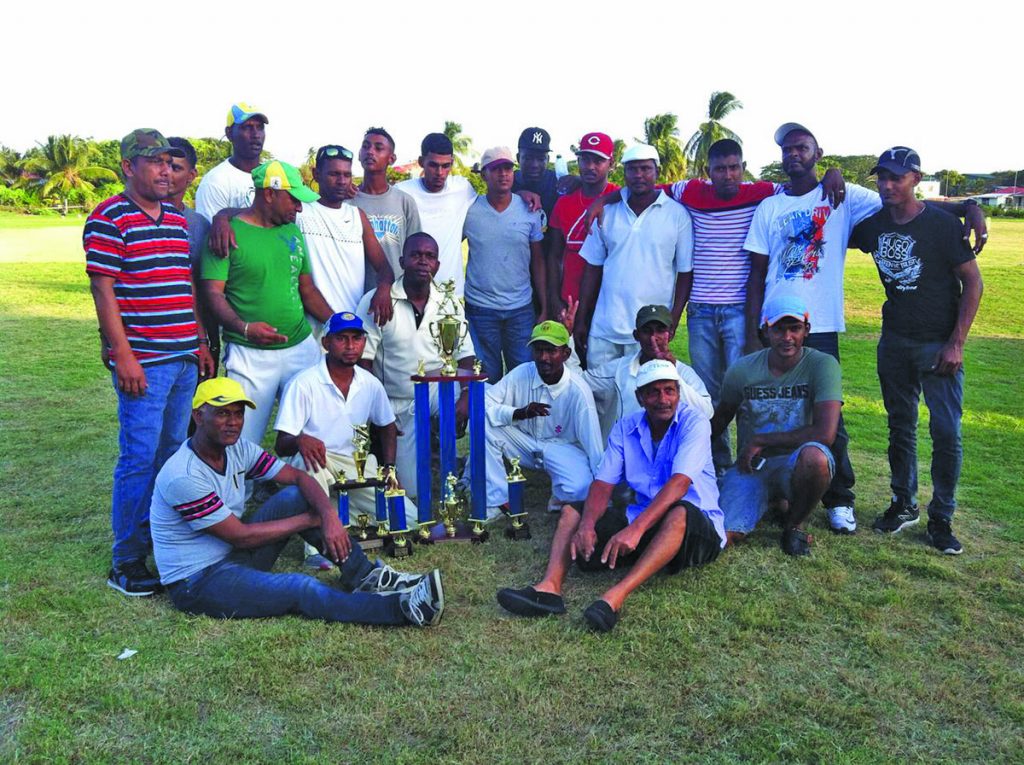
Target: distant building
(929, 189)
(1002, 196)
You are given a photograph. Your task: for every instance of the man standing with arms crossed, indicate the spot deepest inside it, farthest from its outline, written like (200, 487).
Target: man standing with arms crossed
(136, 252)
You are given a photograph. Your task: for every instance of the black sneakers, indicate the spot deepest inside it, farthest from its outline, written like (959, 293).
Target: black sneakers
(423, 605)
(134, 579)
(896, 518)
(940, 534)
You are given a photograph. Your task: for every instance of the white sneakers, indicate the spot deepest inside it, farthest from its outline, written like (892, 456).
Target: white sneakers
(842, 520)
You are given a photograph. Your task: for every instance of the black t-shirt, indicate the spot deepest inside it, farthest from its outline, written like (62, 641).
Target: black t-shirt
(916, 263)
(547, 190)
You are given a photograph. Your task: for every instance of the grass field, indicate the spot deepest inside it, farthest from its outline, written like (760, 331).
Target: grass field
(871, 650)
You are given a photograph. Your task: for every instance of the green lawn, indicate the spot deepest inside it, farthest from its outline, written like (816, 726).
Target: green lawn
(872, 650)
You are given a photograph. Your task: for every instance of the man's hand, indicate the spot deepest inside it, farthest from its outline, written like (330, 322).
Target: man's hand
(949, 359)
(623, 543)
(222, 236)
(337, 544)
(531, 410)
(583, 542)
(594, 212)
(313, 451)
(567, 316)
(131, 377)
(974, 220)
(751, 451)
(261, 333)
(579, 339)
(833, 187)
(532, 199)
(380, 305)
(207, 365)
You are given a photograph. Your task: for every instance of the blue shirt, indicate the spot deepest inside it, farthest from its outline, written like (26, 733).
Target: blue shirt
(685, 449)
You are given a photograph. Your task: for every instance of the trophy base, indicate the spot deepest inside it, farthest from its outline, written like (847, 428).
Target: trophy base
(398, 548)
(518, 532)
(463, 533)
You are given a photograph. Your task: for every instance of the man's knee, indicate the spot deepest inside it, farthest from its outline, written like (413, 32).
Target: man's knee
(813, 461)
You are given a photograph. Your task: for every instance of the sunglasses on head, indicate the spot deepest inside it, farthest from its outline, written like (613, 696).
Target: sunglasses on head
(332, 152)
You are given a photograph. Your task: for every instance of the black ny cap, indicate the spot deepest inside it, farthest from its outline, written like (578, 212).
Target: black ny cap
(535, 138)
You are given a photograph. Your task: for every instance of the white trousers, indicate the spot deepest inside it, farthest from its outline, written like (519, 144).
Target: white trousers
(405, 456)
(600, 352)
(263, 373)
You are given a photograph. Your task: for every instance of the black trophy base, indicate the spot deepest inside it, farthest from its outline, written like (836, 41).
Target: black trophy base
(519, 531)
(463, 533)
(367, 538)
(394, 549)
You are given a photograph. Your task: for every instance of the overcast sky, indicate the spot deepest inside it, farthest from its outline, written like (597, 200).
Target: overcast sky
(862, 76)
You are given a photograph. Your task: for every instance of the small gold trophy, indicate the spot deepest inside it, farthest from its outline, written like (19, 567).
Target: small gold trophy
(451, 508)
(360, 445)
(448, 331)
(517, 528)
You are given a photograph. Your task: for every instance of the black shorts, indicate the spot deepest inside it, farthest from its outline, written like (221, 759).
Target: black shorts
(701, 543)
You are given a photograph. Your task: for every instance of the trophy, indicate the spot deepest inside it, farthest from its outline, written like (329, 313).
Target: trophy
(360, 446)
(449, 331)
(517, 528)
(395, 499)
(451, 508)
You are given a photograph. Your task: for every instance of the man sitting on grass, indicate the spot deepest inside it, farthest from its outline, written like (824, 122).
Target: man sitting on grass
(212, 562)
(788, 399)
(664, 453)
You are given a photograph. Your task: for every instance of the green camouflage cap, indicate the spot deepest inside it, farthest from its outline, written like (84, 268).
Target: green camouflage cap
(146, 142)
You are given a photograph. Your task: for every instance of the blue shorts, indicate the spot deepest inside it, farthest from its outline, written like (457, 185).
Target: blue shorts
(744, 497)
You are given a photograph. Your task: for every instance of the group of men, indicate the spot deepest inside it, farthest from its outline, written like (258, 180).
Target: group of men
(325, 302)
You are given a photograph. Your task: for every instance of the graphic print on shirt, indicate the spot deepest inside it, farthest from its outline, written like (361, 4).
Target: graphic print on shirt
(388, 228)
(295, 257)
(804, 234)
(897, 262)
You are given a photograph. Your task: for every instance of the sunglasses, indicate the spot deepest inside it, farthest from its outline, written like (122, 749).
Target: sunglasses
(331, 152)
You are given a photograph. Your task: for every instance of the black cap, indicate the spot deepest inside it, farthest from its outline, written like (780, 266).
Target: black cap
(899, 159)
(535, 138)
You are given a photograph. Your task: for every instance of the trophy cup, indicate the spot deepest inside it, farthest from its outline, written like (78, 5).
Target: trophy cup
(344, 485)
(360, 445)
(451, 509)
(517, 528)
(449, 331)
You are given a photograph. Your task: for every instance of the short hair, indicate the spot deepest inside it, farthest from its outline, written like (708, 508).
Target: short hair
(419, 235)
(725, 148)
(436, 143)
(380, 131)
(185, 146)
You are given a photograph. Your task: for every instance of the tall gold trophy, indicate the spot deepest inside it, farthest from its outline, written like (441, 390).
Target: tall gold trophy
(448, 331)
(360, 449)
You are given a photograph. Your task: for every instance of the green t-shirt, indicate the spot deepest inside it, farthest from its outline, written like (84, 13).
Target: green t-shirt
(261, 279)
(769, 404)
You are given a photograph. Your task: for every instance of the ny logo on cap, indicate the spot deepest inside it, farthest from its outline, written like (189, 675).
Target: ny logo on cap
(538, 137)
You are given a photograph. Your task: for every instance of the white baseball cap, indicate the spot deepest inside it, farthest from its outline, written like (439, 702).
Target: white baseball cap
(654, 370)
(639, 151)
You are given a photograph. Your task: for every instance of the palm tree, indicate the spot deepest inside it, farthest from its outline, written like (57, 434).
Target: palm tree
(461, 143)
(662, 132)
(720, 105)
(62, 166)
(9, 170)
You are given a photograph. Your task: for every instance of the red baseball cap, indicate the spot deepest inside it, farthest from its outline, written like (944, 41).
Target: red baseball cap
(597, 143)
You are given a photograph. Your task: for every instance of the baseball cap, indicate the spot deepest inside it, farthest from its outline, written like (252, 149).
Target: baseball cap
(550, 332)
(789, 127)
(281, 175)
(495, 155)
(899, 159)
(535, 138)
(220, 391)
(241, 111)
(345, 320)
(146, 142)
(654, 370)
(640, 151)
(651, 313)
(782, 307)
(597, 143)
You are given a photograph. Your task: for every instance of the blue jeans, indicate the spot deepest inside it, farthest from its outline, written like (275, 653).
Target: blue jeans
(744, 497)
(497, 333)
(904, 370)
(153, 426)
(840, 491)
(241, 586)
(716, 337)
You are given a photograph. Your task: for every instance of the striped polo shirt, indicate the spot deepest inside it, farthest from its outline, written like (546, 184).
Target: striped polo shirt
(720, 264)
(149, 263)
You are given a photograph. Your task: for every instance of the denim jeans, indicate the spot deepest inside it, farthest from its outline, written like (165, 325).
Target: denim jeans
(241, 586)
(153, 426)
(904, 370)
(498, 333)
(716, 336)
(840, 491)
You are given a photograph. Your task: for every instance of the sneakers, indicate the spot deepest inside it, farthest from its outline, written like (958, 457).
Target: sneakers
(317, 562)
(940, 534)
(424, 604)
(841, 520)
(896, 518)
(796, 542)
(383, 578)
(134, 579)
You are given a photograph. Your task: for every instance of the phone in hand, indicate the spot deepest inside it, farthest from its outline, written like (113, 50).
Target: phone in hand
(757, 463)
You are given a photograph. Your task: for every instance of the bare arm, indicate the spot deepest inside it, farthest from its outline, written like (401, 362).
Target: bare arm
(131, 378)
(822, 429)
(755, 299)
(626, 540)
(684, 283)
(539, 274)
(555, 261)
(950, 357)
(313, 300)
(721, 418)
(257, 331)
(590, 285)
(246, 535)
(222, 236)
(585, 538)
(974, 220)
(336, 542)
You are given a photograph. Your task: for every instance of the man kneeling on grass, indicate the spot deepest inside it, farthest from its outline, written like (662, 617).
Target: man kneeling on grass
(212, 562)
(664, 453)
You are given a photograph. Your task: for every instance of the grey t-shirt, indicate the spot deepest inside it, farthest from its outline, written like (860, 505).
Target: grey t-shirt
(190, 496)
(198, 230)
(498, 271)
(393, 216)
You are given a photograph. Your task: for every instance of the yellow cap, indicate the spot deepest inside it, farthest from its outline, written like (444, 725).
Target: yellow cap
(220, 391)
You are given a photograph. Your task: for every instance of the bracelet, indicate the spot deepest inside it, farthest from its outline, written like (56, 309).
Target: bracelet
(245, 330)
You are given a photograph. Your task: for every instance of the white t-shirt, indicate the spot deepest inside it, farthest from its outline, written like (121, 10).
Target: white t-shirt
(312, 404)
(805, 241)
(334, 241)
(442, 215)
(222, 187)
(642, 257)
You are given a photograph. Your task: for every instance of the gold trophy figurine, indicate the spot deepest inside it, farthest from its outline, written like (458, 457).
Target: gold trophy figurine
(450, 506)
(360, 445)
(448, 331)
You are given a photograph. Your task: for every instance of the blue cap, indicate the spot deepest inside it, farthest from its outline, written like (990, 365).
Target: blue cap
(781, 307)
(346, 320)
